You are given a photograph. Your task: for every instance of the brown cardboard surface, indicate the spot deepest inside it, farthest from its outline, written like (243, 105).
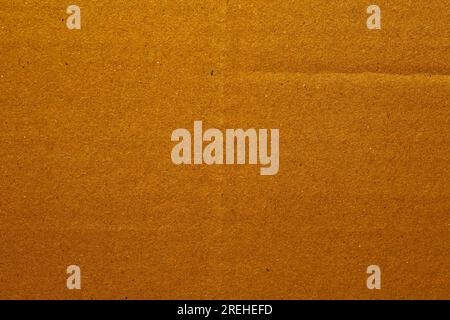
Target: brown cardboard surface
(86, 176)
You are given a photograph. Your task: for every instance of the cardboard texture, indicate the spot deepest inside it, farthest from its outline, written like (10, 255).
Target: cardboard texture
(86, 176)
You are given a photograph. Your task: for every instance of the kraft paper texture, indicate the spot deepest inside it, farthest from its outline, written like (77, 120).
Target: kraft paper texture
(86, 176)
